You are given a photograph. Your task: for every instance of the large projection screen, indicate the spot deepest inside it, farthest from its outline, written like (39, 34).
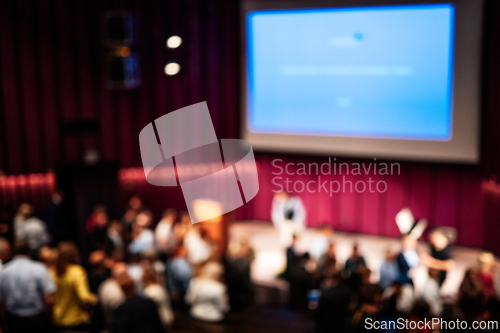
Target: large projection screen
(388, 79)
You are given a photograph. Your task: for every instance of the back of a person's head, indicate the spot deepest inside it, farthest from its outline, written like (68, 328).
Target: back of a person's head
(25, 210)
(149, 255)
(101, 219)
(409, 242)
(438, 239)
(185, 218)
(97, 258)
(370, 294)
(115, 224)
(144, 218)
(180, 252)
(435, 231)
(470, 275)
(99, 208)
(68, 255)
(396, 285)
(420, 310)
(135, 203)
(48, 255)
(119, 269)
(365, 273)
(170, 213)
(22, 247)
(135, 258)
(326, 229)
(334, 276)
(233, 249)
(149, 276)
(212, 270)
(127, 284)
(4, 249)
(390, 255)
(282, 195)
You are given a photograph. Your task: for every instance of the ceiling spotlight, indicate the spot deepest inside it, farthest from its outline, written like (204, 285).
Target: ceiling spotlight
(172, 68)
(174, 42)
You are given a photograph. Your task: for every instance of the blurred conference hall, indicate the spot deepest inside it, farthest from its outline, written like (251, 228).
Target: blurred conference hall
(213, 166)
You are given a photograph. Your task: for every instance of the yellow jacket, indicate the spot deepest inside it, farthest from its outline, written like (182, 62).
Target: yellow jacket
(72, 294)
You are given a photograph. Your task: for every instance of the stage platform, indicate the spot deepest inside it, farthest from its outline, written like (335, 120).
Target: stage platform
(270, 255)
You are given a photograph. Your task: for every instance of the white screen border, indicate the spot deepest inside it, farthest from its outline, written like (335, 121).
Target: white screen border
(464, 145)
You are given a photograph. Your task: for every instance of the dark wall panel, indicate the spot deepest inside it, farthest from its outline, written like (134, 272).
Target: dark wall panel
(52, 70)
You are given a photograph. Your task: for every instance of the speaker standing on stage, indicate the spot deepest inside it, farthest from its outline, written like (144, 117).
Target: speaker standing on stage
(288, 215)
(440, 258)
(407, 259)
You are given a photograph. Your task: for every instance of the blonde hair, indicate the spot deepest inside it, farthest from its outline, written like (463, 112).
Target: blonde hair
(486, 258)
(212, 271)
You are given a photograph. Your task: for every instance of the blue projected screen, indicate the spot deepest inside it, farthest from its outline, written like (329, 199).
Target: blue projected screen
(374, 72)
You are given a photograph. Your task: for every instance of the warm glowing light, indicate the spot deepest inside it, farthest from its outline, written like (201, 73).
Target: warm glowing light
(174, 42)
(123, 51)
(172, 68)
(47, 179)
(205, 210)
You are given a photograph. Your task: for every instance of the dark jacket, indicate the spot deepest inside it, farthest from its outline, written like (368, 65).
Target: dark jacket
(404, 270)
(137, 315)
(330, 315)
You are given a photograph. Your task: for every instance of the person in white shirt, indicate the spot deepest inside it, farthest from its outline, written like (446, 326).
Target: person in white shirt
(159, 295)
(430, 293)
(114, 233)
(288, 215)
(405, 296)
(143, 237)
(135, 269)
(23, 212)
(321, 242)
(26, 289)
(207, 295)
(164, 231)
(30, 228)
(199, 249)
(110, 293)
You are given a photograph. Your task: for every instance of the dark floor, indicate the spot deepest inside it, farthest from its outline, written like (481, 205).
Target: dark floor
(254, 319)
(269, 313)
